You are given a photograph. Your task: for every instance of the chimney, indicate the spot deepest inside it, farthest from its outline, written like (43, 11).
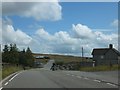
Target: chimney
(110, 46)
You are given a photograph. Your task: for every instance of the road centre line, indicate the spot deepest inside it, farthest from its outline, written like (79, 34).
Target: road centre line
(68, 74)
(78, 76)
(86, 78)
(111, 84)
(91, 79)
(72, 75)
(96, 80)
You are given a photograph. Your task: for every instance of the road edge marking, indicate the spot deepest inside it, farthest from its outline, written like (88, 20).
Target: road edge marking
(6, 83)
(14, 76)
(97, 80)
(8, 77)
(1, 88)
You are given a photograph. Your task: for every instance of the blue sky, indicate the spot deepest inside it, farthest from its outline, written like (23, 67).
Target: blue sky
(64, 19)
(95, 15)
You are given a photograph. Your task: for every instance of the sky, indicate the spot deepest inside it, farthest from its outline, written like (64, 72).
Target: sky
(60, 27)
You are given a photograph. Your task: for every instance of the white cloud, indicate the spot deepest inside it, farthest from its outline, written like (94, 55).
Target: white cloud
(44, 35)
(61, 42)
(64, 37)
(10, 35)
(82, 31)
(60, 1)
(30, 0)
(38, 10)
(86, 34)
(115, 23)
(0, 30)
(82, 36)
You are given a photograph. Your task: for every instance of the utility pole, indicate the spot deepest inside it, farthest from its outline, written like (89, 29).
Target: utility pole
(82, 54)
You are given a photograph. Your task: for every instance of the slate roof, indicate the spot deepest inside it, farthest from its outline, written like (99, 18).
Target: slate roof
(103, 51)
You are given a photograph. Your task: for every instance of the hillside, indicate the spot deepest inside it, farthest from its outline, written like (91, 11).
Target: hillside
(65, 58)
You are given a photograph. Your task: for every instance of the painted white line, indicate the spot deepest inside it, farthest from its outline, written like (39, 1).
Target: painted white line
(72, 75)
(68, 74)
(14, 77)
(111, 84)
(96, 80)
(1, 88)
(86, 78)
(79, 77)
(6, 83)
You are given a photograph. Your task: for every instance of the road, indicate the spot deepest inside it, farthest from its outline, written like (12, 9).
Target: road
(44, 78)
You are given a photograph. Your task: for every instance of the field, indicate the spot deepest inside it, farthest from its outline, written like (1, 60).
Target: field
(64, 58)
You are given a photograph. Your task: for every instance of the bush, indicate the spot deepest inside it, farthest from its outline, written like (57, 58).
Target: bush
(59, 62)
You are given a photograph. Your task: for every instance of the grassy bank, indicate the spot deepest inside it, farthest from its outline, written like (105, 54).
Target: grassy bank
(100, 68)
(7, 70)
(0, 73)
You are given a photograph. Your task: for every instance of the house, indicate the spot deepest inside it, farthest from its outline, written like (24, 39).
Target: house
(106, 56)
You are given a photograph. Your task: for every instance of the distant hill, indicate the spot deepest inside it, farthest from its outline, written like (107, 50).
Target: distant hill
(65, 58)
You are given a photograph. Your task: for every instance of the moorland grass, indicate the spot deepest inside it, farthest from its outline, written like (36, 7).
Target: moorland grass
(7, 70)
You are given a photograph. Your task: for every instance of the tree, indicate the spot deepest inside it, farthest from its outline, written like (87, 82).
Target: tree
(29, 57)
(22, 58)
(5, 54)
(14, 55)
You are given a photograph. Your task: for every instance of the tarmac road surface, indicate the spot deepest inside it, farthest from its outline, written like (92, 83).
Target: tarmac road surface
(45, 78)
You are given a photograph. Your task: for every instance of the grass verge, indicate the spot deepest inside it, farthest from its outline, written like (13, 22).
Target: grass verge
(6, 71)
(100, 68)
(0, 72)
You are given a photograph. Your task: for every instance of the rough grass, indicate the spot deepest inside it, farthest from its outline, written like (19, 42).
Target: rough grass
(0, 75)
(7, 70)
(64, 58)
(100, 68)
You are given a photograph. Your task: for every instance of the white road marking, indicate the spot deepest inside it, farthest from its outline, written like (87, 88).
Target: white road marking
(86, 78)
(68, 74)
(6, 83)
(14, 76)
(79, 77)
(111, 84)
(1, 88)
(72, 75)
(96, 80)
